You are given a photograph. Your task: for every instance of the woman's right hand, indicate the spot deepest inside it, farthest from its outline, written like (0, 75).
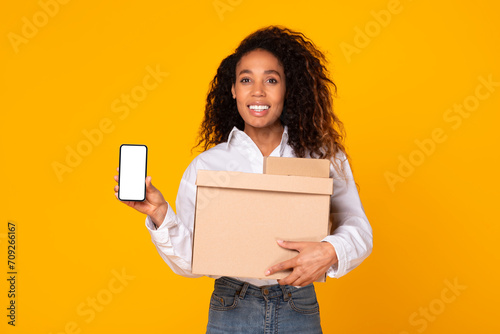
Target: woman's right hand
(154, 205)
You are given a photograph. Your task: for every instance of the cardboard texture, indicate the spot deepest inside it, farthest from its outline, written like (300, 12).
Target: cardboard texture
(239, 217)
(297, 166)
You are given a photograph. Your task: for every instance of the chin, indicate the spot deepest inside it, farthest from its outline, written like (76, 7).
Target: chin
(261, 123)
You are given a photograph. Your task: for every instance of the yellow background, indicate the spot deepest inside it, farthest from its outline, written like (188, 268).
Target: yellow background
(437, 227)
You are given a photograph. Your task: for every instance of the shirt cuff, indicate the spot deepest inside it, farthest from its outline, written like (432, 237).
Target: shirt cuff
(160, 234)
(338, 269)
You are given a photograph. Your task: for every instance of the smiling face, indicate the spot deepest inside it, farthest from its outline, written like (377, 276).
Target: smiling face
(259, 90)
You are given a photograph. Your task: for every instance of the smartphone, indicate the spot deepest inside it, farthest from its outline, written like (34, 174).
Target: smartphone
(132, 172)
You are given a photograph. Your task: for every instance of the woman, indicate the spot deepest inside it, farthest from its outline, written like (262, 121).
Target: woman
(271, 97)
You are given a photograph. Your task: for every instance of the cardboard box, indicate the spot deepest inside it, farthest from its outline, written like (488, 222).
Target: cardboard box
(297, 166)
(239, 216)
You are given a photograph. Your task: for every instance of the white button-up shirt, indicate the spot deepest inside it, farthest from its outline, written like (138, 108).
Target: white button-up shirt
(352, 237)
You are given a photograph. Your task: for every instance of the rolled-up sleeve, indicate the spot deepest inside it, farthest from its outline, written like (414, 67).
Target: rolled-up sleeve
(174, 238)
(352, 235)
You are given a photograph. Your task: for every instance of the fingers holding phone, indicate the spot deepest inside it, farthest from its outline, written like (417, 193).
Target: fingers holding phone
(134, 188)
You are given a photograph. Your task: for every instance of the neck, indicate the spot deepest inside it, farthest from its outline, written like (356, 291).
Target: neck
(266, 139)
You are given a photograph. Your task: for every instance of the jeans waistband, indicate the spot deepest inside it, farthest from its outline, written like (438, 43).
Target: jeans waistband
(266, 291)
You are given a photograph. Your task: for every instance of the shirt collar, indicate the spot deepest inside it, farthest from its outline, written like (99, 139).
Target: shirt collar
(235, 132)
(231, 134)
(284, 140)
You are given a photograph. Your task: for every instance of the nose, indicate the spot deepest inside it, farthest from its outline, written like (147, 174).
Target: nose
(258, 89)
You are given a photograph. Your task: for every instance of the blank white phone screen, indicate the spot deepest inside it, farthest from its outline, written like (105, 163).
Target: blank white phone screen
(133, 159)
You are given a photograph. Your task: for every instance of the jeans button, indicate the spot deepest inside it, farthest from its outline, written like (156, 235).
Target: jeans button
(265, 292)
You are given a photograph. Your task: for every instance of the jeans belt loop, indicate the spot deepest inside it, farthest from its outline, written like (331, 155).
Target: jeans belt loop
(243, 290)
(286, 292)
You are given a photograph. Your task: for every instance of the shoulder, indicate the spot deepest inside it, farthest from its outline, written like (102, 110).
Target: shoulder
(340, 167)
(209, 159)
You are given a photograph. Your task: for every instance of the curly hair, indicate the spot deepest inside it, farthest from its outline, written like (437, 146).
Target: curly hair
(313, 127)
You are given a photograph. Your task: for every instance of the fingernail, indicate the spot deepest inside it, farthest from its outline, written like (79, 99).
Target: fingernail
(279, 241)
(268, 272)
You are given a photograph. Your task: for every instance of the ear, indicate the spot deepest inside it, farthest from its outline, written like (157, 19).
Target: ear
(233, 91)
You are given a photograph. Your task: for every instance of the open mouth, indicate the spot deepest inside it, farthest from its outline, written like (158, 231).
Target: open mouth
(258, 107)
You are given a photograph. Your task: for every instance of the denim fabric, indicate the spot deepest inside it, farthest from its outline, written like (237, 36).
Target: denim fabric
(238, 307)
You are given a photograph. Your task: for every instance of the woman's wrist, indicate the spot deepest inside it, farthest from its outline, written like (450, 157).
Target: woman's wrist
(159, 214)
(330, 251)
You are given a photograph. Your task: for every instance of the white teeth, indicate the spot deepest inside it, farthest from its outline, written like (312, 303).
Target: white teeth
(258, 107)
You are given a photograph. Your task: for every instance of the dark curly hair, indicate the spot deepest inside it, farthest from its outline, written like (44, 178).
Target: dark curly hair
(313, 128)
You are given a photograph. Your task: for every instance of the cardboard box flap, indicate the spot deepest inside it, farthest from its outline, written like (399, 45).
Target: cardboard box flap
(297, 166)
(265, 182)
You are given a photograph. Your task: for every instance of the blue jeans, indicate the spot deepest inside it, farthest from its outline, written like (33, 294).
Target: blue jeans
(238, 307)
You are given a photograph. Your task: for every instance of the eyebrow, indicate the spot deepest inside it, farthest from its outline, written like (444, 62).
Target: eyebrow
(265, 72)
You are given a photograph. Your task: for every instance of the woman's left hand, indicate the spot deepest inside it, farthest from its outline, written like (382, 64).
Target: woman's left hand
(313, 261)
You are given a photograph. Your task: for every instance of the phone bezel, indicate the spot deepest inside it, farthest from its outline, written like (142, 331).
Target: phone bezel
(119, 173)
